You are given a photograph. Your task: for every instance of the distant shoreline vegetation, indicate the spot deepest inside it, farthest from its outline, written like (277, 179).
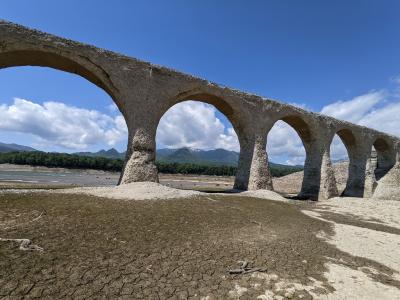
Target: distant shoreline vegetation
(74, 161)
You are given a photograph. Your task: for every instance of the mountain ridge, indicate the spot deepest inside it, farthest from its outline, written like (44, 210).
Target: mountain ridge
(4, 147)
(217, 156)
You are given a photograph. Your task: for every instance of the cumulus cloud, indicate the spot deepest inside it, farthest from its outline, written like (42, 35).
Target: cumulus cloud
(196, 125)
(376, 112)
(300, 105)
(338, 150)
(61, 125)
(112, 108)
(355, 109)
(372, 109)
(384, 119)
(284, 144)
(188, 124)
(376, 109)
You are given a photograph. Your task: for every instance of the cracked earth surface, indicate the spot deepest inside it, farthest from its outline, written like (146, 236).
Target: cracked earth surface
(169, 249)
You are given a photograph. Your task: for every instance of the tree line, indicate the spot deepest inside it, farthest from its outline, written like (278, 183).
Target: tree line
(64, 160)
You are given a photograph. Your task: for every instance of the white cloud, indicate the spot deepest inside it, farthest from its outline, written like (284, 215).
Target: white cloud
(195, 124)
(375, 109)
(285, 145)
(300, 105)
(188, 124)
(355, 109)
(338, 150)
(385, 119)
(372, 110)
(61, 125)
(112, 108)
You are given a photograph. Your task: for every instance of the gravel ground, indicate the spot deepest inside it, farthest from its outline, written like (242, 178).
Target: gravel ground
(291, 184)
(365, 228)
(134, 191)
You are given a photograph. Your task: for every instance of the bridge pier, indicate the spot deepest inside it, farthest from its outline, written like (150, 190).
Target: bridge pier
(370, 178)
(140, 155)
(328, 187)
(253, 171)
(312, 174)
(260, 177)
(355, 186)
(388, 186)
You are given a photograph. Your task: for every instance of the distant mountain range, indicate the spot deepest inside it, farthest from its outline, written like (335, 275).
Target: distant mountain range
(181, 155)
(14, 147)
(111, 153)
(186, 155)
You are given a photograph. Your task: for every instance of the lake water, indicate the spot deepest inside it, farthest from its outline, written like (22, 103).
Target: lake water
(27, 175)
(56, 176)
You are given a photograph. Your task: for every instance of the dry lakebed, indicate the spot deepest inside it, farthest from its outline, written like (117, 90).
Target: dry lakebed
(154, 241)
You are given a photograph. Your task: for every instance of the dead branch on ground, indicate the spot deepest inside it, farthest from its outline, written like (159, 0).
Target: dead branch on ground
(24, 244)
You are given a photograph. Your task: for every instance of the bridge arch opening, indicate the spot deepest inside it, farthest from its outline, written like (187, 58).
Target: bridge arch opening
(287, 144)
(56, 111)
(196, 137)
(95, 74)
(342, 145)
(382, 157)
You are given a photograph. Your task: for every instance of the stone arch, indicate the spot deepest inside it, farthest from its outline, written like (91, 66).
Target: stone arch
(303, 129)
(218, 102)
(223, 106)
(237, 120)
(87, 69)
(383, 158)
(81, 66)
(350, 143)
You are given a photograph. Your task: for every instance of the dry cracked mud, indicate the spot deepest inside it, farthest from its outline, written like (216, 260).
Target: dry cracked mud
(167, 249)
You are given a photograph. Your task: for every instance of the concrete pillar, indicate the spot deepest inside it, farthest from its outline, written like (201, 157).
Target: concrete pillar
(370, 179)
(357, 173)
(328, 187)
(312, 173)
(253, 171)
(244, 164)
(388, 187)
(140, 156)
(260, 177)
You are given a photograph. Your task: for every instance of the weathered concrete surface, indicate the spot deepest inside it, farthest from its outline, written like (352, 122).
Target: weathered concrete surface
(143, 92)
(388, 187)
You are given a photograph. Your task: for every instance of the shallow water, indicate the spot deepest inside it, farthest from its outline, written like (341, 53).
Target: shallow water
(21, 174)
(39, 175)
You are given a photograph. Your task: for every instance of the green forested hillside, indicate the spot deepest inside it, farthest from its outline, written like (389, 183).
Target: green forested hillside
(63, 160)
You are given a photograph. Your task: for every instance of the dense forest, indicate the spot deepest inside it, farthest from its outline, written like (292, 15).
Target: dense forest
(63, 160)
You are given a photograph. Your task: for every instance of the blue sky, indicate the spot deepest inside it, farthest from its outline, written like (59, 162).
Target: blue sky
(313, 53)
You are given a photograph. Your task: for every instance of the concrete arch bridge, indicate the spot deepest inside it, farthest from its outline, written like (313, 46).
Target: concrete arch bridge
(143, 92)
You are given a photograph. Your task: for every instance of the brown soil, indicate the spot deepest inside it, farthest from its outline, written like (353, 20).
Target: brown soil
(166, 249)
